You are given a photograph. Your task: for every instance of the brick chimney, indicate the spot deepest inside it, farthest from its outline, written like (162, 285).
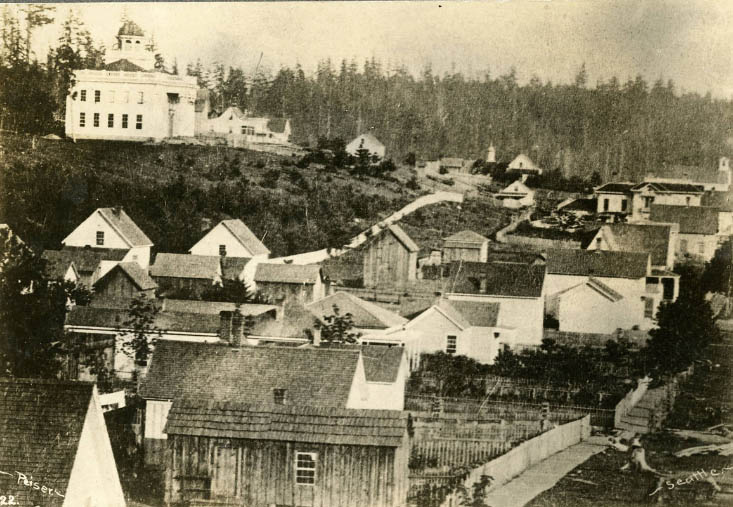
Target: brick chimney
(225, 326)
(237, 329)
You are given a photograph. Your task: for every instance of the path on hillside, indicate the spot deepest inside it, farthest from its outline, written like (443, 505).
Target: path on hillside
(321, 255)
(545, 474)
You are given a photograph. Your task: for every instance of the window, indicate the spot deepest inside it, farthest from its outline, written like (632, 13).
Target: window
(125, 97)
(450, 347)
(648, 200)
(110, 120)
(82, 119)
(497, 335)
(139, 97)
(683, 245)
(305, 467)
(605, 204)
(624, 204)
(97, 95)
(701, 248)
(687, 200)
(648, 308)
(124, 121)
(111, 97)
(222, 250)
(83, 96)
(139, 122)
(96, 119)
(598, 243)
(278, 396)
(100, 237)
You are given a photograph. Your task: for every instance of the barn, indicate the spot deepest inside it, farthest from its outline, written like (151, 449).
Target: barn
(390, 259)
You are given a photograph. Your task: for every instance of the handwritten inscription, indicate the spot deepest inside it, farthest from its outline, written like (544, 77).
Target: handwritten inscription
(700, 475)
(27, 481)
(7, 500)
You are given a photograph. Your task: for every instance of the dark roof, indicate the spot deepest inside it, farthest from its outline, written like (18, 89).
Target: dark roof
(470, 313)
(615, 188)
(172, 265)
(587, 205)
(212, 307)
(232, 267)
(465, 239)
(131, 28)
(692, 219)
(219, 372)
(122, 223)
(650, 238)
(502, 279)
(381, 363)
(721, 200)
(57, 263)
(134, 272)
(202, 98)
(123, 64)
(695, 174)
(597, 263)
(277, 124)
(113, 318)
(364, 313)
(42, 422)
(519, 257)
(384, 428)
(598, 286)
(293, 321)
(86, 259)
(287, 273)
(677, 188)
(402, 237)
(245, 236)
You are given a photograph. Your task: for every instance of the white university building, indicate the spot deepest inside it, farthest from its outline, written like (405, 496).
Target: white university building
(129, 100)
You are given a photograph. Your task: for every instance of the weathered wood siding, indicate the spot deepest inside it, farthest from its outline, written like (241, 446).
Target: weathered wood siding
(120, 286)
(173, 284)
(387, 262)
(451, 254)
(261, 473)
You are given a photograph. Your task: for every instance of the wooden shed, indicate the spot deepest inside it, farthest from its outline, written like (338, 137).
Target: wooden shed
(125, 280)
(465, 246)
(260, 455)
(390, 259)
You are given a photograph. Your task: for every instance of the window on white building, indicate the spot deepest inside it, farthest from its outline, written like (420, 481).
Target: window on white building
(139, 122)
(701, 248)
(100, 238)
(451, 344)
(305, 467)
(83, 95)
(110, 120)
(648, 200)
(111, 97)
(606, 204)
(624, 204)
(82, 119)
(124, 121)
(97, 95)
(96, 119)
(139, 97)
(222, 250)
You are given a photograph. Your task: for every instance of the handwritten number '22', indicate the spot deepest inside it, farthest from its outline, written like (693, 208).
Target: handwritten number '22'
(7, 500)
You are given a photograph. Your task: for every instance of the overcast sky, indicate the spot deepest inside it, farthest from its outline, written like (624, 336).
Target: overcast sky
(688, 41)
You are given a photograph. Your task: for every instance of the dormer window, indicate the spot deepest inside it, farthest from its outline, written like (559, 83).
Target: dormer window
(100, 238)
(278, 396)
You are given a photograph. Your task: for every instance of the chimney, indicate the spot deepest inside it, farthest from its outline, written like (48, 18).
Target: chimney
(237, 329)
(225, 326)
(491, 155)
(316, 337)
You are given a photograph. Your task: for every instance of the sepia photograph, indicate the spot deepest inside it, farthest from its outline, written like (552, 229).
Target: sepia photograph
(366, 253)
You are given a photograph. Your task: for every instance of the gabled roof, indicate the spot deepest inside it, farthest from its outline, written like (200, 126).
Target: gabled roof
(721, 200)
(499, 278)
(371, 138)
(581, 204)
(515, 189)
(453, 162)
(221, 373)
(402, 237)
(123, 224)
(288, 273)
(692, 219)
(669, 188)
(381, 363)
(598, 286)
(212, 307)
(384, 428)
(615, 188)
(364, 313)
(42, 422)
(115, 318)
(85, 259)
(277, 125)
(123, 64)
(465, 239)
(651, 238)
(524, 159)
(245, 236)
(598, 263)
(516, 257)
(470, 313)
(134, 272)
(693, 174)
(57, 264)
(174, 265)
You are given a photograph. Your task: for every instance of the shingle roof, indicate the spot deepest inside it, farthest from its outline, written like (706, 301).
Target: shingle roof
(288, 273)
(232, 267)
(615, 188)
(219, 372)
(684, 188)
(123, 64)
(364, 313)
(695, 174)
(598, 286)
(502, 279)
(131, 28)
(381, 363)
(212, 307)
(245, 236)
(651, 238)
(114, 318)
(384, 428)
(597, 263)
(523, 257)
(587, 205)
(174, 265)
(465, 239)
(86, 259)
(277, 124)
(692, 219)
(42, 422)
(57, 263)
(129, 230)
(471, 313)
(403, 238)
(292, 323)
(133, 270)
(721, 200)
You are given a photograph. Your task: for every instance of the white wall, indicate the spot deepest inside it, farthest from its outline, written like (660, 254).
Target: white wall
(708, 242)
(86, 234)
(220, 235)
(156, 415)
(359, 393)
(139, 254)
(639, 212)
(614, 203)
(584, 310)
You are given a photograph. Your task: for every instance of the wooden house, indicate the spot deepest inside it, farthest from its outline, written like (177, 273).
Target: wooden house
(262, 455)
(700, 233)
(54, 447)
(390, 259)
(367, 317)
(516, 195)
(290, 282)
(125, 279)
(231, 238)
(465, 246)
(366, 142)
(60, 266)
(87, 261)
(185, 274)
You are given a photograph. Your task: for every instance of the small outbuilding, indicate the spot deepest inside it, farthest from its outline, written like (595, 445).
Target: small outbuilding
(366, 142)
(390, 259)
(465, 246)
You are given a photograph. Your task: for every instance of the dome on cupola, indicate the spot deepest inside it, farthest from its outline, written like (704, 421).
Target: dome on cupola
(130, 28)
